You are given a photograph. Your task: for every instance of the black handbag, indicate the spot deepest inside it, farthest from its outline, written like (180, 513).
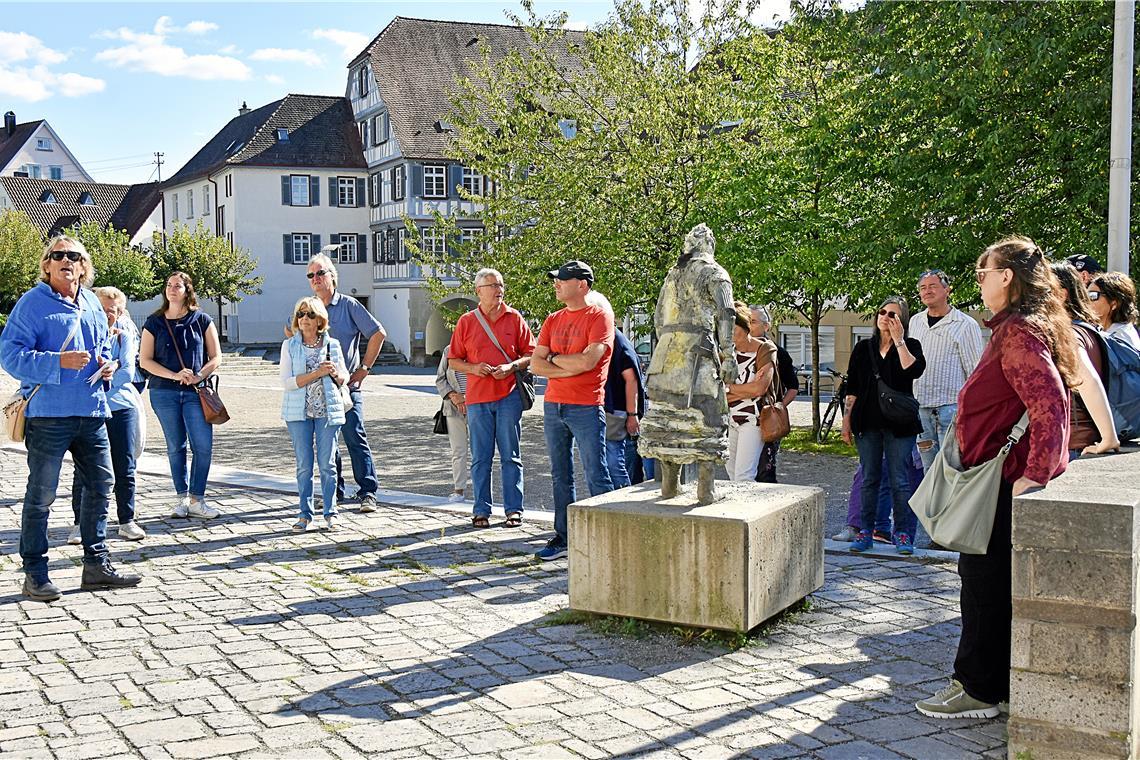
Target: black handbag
(439, 425)
(896, 407)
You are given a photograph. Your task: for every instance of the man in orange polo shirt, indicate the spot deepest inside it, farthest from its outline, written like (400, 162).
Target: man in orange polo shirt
(574, 349)
(494, 407)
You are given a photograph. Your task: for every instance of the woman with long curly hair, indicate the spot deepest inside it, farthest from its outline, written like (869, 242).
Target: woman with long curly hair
(1030, 362)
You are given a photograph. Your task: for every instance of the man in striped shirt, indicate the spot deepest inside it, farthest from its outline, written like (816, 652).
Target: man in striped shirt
(952, 344)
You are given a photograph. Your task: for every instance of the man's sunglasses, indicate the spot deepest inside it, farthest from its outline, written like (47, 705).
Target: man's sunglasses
(318, 273)
(69, 255)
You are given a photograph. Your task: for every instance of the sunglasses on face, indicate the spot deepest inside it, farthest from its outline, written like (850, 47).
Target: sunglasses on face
(318, 273)
(1094, 295)
(887, 314)
(61, 255)
(306, 315)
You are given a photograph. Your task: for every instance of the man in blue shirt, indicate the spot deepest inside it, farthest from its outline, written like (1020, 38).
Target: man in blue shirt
(349, 320)
(624, 405)
(56, 344)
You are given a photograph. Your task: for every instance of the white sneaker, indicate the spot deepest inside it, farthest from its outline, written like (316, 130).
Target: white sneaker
(845, 535)
(199, 508)
(75, 538)
(368, 503)
(331, 522)
(132, 531)
(456, 498)
(181, 506)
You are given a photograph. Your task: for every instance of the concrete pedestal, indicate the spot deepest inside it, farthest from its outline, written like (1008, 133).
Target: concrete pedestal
(728, 565)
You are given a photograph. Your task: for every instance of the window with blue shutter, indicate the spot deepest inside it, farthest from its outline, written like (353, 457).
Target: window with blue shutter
(287, 247)
(454, 179)
(360, 182)
(362, 248)
(399, 182)
(314, 191)
(417, 180)
(286, 191)
(332, 191)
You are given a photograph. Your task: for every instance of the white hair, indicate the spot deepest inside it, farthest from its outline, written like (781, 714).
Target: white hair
(486, 272)
(761, 314)
(325, 262)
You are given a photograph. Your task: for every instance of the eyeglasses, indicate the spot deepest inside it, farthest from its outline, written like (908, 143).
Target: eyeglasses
(306, 315)
(1094, 295)
(888, 314)
(318, 273)
(69, 255)
(497, 285)
(980, 274)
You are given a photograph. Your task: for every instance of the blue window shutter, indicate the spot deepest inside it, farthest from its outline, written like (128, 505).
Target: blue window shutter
(332, 192)
(418, 180)
(286, 191)
(360, 183)
(314, 191)
(314, 245)
(454, 179)
(362, 248)
(334, 239)
(395, 190)
(287, 243)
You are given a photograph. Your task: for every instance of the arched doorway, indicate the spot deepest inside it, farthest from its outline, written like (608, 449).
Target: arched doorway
(437, 333)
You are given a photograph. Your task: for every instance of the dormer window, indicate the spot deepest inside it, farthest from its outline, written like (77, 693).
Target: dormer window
(362, 81)
(444, 126)
(43, 143)
(48, 197)
(86, 200)
(282, 135)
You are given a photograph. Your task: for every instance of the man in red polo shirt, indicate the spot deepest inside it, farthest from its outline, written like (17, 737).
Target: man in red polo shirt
(494, 407)
(574, 349)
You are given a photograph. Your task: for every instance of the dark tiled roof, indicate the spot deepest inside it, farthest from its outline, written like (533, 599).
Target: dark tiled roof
(416, 63)
(322, 132)
(9, 146)
(125, 207)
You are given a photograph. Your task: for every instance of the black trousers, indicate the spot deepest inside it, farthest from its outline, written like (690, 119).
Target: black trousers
(766, 468)
(982, 663)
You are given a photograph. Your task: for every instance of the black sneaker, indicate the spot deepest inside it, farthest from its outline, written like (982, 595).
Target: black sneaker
(106, 576)
(41, 592)
(554, 549)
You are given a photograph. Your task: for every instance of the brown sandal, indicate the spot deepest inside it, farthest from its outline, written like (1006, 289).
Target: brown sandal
(514, 520)
(480, 521)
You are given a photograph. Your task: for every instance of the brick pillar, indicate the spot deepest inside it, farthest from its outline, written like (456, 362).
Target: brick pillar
(1075, 552)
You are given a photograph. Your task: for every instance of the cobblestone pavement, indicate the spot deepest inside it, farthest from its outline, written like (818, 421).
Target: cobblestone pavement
(405, 634)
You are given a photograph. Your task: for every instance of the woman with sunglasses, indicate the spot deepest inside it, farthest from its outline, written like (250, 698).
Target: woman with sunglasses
(1025, 368)
(897, 360)
(312, 372)
(1091, 428)
(179, 347)
(1113, 298)
(56, 345)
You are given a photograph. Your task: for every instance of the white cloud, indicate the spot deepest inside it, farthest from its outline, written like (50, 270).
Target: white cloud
(274, 79)
(229, 50)
(200, 27)
(350, 43)
(165, 27)
(25, 71)
(150, 52)
(286, 55)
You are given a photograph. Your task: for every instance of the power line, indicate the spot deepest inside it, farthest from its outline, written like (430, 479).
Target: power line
(120, 158)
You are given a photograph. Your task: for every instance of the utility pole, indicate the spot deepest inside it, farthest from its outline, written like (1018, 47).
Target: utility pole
(158, 162)
(1120, 144)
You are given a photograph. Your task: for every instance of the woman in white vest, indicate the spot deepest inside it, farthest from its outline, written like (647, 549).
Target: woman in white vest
(313, 373)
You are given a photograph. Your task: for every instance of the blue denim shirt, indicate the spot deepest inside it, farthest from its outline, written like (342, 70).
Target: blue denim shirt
(348, 320)
(125, 350)
(31, 344)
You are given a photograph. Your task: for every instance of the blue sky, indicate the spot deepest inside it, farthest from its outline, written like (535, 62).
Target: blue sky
(119, 81)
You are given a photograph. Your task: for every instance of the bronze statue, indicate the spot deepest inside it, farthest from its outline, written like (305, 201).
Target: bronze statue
(687, 420)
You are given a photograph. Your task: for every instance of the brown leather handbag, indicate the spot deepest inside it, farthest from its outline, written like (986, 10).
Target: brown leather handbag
(774, 421)
(212, 407)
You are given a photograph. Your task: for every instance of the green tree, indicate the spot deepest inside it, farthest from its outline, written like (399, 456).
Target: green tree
(21, 245)
(600, 146)
(220, 272)
(116, 261)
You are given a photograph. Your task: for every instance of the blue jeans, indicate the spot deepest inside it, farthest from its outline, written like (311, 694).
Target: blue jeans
(359, 452)
(122, 429)
(47, 439)
(935, 422)
(566, 425)
(305, 433)
(179, 413)
(872, 446)
(496, 424)
(616, 462)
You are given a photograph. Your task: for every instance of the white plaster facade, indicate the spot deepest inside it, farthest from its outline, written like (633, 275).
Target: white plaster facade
(44, 156)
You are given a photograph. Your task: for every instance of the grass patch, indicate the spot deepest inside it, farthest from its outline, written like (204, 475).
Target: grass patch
(802, 440)
(683, 635)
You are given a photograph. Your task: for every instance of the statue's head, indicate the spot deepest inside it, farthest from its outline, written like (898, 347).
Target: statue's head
(699, 242)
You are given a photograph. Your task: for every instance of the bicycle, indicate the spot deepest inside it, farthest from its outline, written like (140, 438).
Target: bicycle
(834, 408)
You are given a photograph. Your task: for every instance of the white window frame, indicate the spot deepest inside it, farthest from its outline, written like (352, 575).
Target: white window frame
(282, 134)
(433, 241)
(468, 235)
(302, 247)
(53, 171)
(473, 182)
(800, 349)
(190, 203)
(400, 174)
(205, 200)
(346, 192)
(401, 249)
(362, 126)
(293, 187)
(43, 143)
(347, 242)
(435, 175)
(362, 81)
(230, 185)
(174, 197)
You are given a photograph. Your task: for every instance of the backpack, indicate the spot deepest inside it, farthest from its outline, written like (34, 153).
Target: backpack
(1121, 382)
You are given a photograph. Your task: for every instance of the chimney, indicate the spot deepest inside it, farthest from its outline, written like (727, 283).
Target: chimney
(10, 123)
(243, 110)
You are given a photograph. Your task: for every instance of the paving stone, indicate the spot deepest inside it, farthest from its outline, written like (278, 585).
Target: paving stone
(212, 747)
(388, 736)
(859, 750)
(164, 731)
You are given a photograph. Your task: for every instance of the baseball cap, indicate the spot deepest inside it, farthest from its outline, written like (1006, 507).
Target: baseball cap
(573, 270)
(1082, 262)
